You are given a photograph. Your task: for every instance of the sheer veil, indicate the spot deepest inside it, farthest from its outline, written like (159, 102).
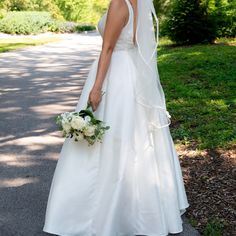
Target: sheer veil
(149, 92)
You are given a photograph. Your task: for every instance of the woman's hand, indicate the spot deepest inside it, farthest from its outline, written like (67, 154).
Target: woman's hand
(95, 97)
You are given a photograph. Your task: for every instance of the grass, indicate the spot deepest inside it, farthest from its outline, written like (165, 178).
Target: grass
(200, 83)
(22, 42)
(214, 228)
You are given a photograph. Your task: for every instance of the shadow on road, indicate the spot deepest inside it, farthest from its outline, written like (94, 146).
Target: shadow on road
(36, 84)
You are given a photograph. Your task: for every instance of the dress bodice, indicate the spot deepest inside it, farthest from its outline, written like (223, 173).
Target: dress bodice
(125, 40)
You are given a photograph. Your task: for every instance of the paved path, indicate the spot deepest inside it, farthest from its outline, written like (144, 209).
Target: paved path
(36, 84)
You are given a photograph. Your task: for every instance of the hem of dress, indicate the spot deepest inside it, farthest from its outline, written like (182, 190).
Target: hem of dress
(182, 211)
(54, 232)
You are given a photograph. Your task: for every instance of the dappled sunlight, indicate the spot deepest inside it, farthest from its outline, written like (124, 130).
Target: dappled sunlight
(198, 82)
(34, 142)
(10, 109)
(30, 145)
(217, 102)
(17, 182)
(37, 83)
(195, 53)
(10, 89)
(50, 108)
(12, 160)
(188, 150)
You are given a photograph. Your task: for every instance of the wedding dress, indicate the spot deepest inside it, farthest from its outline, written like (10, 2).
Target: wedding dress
(131, 183)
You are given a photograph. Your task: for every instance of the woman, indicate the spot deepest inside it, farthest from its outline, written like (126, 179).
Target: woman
(131, 183)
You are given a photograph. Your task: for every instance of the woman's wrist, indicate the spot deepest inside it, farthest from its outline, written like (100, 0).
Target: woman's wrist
(97, 87)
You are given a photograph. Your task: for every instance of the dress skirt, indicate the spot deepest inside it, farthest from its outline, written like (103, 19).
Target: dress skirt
(131, 183)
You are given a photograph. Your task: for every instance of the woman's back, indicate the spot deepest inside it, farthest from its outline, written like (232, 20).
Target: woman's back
(125, 40)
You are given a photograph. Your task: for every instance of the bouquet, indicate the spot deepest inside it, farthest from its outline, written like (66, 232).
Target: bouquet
(81, 125)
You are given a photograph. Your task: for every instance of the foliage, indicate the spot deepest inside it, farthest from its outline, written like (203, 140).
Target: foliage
(82, 10)
(200, 89)
(62, 26)
(162, 7)
(26, 22)
(189, 23)
(184, 20)
(84, 27)
(224, 14)
(214, 228)
(31, 5)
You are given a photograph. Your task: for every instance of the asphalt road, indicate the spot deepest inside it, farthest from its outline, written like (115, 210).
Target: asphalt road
(36, 84)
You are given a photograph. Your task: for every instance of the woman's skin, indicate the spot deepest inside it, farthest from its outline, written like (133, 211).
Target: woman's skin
(117, 17)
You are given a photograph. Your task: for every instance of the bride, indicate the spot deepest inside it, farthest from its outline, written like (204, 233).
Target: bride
(131, 183)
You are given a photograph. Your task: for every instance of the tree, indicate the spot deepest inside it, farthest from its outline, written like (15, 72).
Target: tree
(190, 23)
(31, 5)
(86, 11)
(224, 14)
(162, 7)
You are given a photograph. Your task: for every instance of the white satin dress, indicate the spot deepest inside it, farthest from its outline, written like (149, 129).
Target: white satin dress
(131, 183)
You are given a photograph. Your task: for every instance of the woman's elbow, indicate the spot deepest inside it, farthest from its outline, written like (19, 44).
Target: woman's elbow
(108, 48)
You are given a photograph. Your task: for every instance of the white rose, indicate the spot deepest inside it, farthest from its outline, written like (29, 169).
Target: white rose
(87, 118)
(89, 130)
(65, 117)
(66, 127)
(79, 136)
(78, 122)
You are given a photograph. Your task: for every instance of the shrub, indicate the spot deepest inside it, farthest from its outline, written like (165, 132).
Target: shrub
(33, 23)
(82, 10)
(189, 23)
(26, 22)
(224, 13)
(2, 13)
(62, 27)
(32, 5)
(71, 10)
(84, 27)
(38, 22)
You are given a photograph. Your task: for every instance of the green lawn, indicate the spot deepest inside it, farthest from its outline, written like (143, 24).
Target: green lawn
(15, 43)
(200, 83)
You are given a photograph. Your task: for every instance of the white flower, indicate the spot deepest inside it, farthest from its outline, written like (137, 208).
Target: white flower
(79, 136)
(89, 130)
(66, 126)
(63, 119)
(78, 122)
(87, 118)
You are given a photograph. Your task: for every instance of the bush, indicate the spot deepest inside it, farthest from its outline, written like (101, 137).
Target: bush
(224, 13)
(26, 22)
(33, 23)
(82, 11)
(189, 23)
(32, 5)
(84, 27)
(38, 22)
(62, 27)
(2, 13)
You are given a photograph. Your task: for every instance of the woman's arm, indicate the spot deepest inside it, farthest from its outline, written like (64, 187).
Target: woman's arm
(116, 19)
